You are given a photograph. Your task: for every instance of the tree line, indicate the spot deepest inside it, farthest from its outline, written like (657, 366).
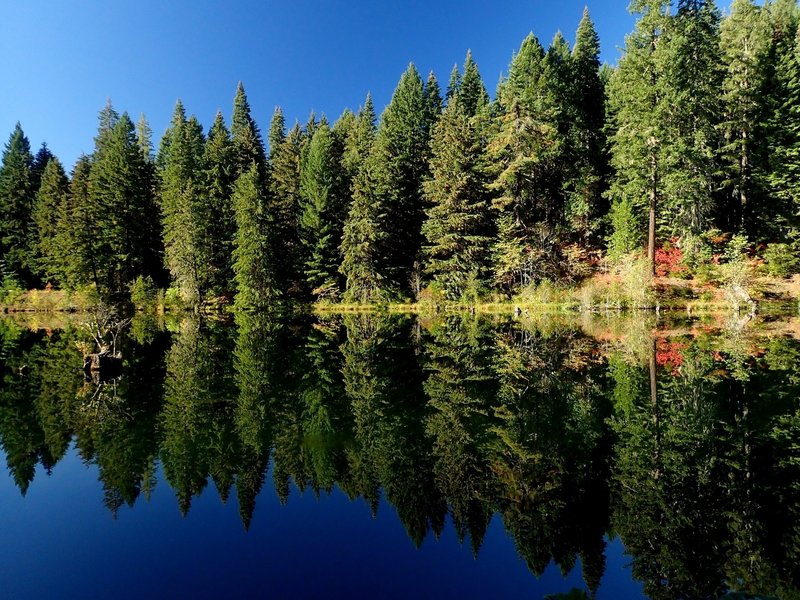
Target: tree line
(693, 136)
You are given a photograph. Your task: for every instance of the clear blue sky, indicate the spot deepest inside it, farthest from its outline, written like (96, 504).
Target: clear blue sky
(62, 58)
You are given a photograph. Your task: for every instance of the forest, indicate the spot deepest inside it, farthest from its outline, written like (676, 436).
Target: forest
(681, 160)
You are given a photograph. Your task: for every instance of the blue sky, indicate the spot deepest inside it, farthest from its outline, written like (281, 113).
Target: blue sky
(62, 59)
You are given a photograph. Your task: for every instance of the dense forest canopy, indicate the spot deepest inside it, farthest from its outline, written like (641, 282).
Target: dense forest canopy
(692, 141)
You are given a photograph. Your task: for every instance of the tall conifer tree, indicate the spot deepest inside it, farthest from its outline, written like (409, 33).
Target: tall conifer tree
(456, 225)
(252, 264)
(49, 211)
(323, 198)
(745, 43)
(16, 202)
(216, 219)
(181, 200)
(637, 94)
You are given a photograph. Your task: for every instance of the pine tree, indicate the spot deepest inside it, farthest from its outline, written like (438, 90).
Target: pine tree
(252, 265)
(744, 42)
(471, 91)
(285, 206)
(785, 147)
(402, 154)
(691, 112)
(523, 150)
(181, 189)
(81, 266)
(455, 229)
(433, 100)
(126, 220)
(323, 204)
(40, 160)
(363, 235)
(49, 207)
(586, 206)
(360, 139)
(248, 146)
(16, 201)
(215, 215)
(782, 129)
(453, 83)
(637, 94)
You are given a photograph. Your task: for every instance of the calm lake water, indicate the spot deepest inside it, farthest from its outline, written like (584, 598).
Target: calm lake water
(370, 456)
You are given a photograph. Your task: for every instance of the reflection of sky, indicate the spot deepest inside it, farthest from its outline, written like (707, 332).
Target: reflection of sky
(60, 541)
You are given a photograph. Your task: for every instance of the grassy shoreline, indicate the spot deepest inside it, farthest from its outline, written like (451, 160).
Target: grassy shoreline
(597, 294)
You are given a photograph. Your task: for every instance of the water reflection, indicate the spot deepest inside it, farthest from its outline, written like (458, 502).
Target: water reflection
(683, 442)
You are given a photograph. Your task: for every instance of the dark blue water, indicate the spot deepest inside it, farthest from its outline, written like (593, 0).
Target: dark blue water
(61, 541)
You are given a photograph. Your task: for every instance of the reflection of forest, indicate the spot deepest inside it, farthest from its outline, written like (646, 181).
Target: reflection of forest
(687, 447)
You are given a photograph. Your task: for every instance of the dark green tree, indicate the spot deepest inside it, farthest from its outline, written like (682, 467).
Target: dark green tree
(285, 206)
(17, 192)
(470, 89)
(457, 222)
(248, 147)
(181, 202)
(638, 91)
(324, 204)
(215, 212)
(125, 230)
(744, 44)
(252, 265)
(50, 214)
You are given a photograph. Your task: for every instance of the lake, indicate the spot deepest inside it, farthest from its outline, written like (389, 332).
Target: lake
(395, 456)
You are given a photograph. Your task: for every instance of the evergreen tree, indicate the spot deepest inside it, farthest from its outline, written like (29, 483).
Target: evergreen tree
(125, 225)
(50, 206)
(252, 265)
(215, 215)
(277, 132)
(433, 100)
(691, 112)
(181, 200)
(589, 178)
(402, 154)
(471, 91)
(455, 230)
(783, 127)
(285, 204)
(363, 235)
(323, 208)
(248, 146)
(524, 149)
(744, 43)
(453, 83)
(16, 201)
(40, 160)
(81, 265)
(637, 93)
(359, 140)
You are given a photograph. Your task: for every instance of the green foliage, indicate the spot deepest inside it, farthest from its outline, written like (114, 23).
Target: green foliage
(120, 211)
(17, 192)
(182, 202)
(143, 293)
(782, 259)
(457, 222)
(253, 271)
(626, 229)
(51, 212)
(324, 206)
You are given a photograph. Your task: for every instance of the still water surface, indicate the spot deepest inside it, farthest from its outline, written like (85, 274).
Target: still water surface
(388, 456)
